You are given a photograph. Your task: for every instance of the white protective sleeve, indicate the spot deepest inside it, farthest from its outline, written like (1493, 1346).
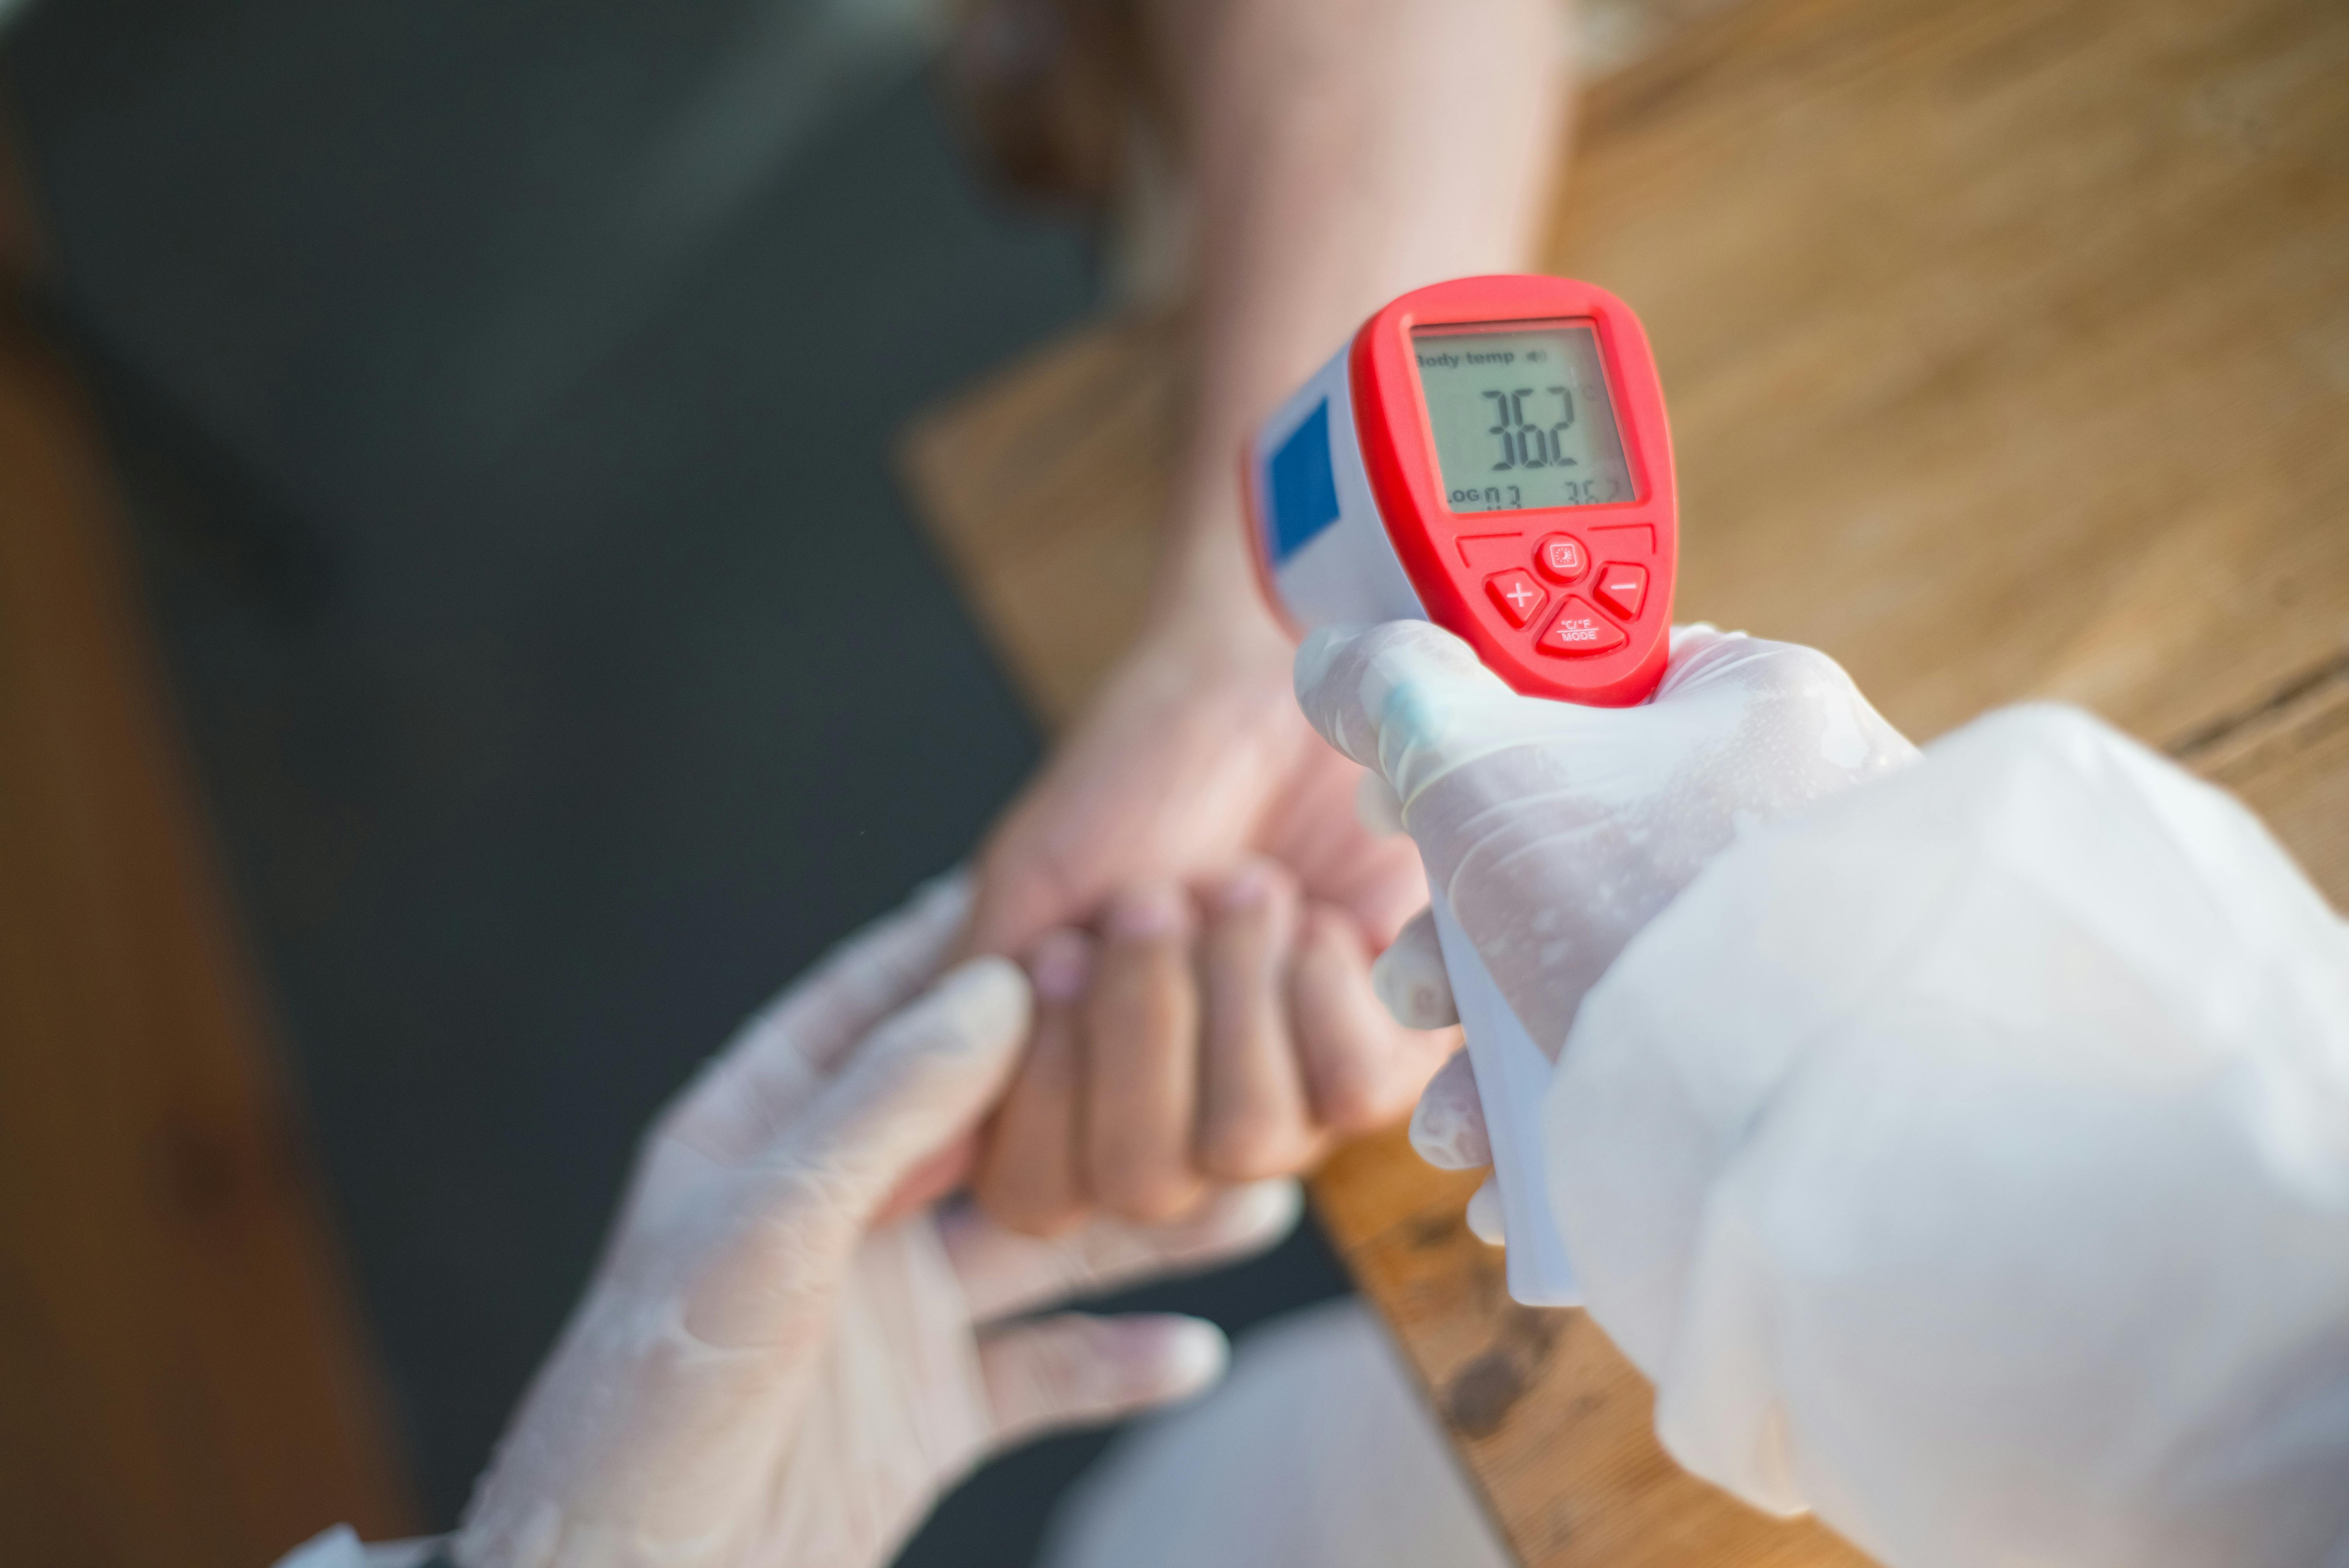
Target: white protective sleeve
(1967, 1158)
(340, 1548)
(1317, 1451)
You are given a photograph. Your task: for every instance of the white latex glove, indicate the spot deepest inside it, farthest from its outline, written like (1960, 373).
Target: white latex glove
(1968, 1158)
(1559, 831)
(757, 1376)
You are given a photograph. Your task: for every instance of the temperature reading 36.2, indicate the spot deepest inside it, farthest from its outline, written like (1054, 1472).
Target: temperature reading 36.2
(1527, 443)
(1522, 418)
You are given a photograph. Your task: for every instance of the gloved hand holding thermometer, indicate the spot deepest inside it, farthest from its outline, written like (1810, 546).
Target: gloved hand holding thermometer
(1558, 832)
(1964, 1155)
(1492, 454)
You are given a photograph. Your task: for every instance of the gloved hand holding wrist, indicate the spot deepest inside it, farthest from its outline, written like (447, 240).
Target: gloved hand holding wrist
(756, 1375)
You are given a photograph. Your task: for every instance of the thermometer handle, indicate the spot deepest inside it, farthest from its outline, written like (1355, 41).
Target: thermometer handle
(1511, 1076)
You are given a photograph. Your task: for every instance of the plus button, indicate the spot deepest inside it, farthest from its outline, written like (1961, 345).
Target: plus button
(1516, 595)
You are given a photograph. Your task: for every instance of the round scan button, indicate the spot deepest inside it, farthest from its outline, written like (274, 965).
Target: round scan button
(1561, 558)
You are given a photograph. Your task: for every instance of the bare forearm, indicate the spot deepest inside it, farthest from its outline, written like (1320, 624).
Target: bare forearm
(1338, 152)
(1327, 155)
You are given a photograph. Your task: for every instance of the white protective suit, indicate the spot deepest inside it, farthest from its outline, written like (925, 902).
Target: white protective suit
(1965, 1155)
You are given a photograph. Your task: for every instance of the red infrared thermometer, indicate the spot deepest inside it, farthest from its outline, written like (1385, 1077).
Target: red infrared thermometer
(1490, 454)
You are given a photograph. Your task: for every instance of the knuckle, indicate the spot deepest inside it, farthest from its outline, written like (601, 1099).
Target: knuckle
(1415, 636)
(1149, 1196)
(1026, 1180)
(1029, 877)
(1249, 1144)
(1027, 1208)
(1058, 1372)
(1351, 1096)
(803, 1192)
(1804, 677)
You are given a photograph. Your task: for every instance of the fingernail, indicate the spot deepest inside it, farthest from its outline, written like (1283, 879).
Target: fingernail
(1059, 964)
(1266, 1209)
(1192, 1354)
(1447, 1140)
(1415, 990)
(1484, 1216)
(1447, 1126)
(1146, 913)
(1245, 888)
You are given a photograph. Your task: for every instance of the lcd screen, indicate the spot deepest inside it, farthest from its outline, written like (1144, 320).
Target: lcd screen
(1522, 418)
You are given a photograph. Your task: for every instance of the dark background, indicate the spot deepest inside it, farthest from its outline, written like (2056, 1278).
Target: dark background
(505, 392)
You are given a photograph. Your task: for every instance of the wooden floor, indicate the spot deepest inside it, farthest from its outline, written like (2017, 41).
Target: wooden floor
(2007, 346)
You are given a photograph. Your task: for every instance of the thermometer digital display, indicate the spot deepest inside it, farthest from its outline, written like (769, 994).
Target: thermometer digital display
(1521, 420)
(1490, 454)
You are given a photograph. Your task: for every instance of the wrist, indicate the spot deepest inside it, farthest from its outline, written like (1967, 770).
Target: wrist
(1207, 591)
